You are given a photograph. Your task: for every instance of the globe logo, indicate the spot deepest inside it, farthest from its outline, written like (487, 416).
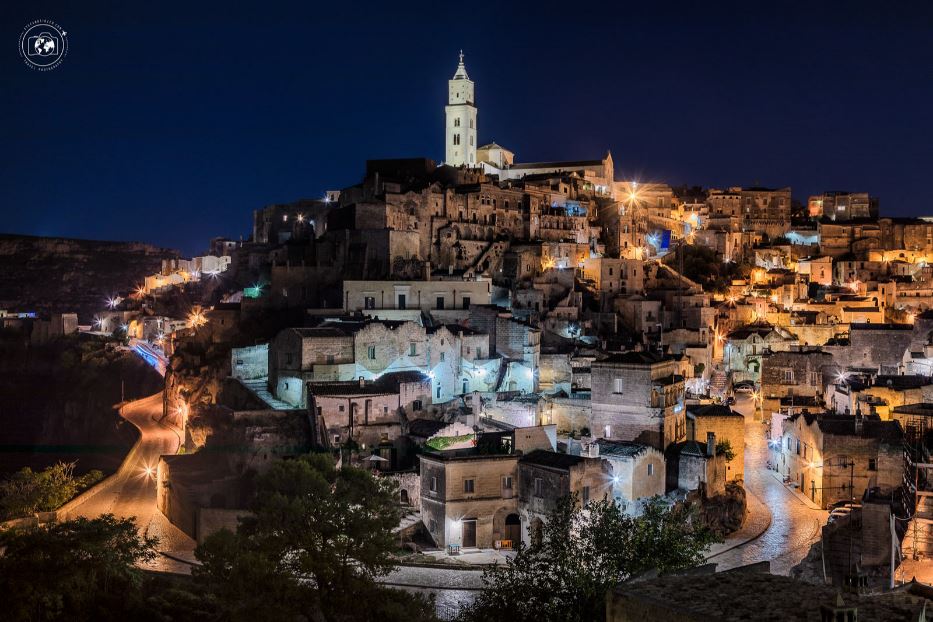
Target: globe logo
(43, 45)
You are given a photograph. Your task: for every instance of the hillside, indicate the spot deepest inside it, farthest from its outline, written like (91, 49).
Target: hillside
(61, 274)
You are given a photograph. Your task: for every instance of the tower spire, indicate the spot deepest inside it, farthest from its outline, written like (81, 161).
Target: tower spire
(461, 73)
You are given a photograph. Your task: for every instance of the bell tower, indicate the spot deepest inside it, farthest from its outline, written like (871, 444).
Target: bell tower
(461, 119)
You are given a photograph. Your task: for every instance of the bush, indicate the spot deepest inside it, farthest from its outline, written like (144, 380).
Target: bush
(27, 492)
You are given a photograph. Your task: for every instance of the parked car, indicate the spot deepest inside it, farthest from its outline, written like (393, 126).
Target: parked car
(744, 388)
(838, 513)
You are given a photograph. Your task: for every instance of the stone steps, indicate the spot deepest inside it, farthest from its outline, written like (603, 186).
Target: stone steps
(258, 387)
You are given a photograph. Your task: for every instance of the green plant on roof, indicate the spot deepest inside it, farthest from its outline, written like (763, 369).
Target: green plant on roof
(441, 443)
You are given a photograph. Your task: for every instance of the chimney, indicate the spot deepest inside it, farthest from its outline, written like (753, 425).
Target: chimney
(362, 382)
(710, 444)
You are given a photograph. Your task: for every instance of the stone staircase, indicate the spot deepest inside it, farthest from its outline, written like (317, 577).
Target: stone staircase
(411, 520)
(260, 390)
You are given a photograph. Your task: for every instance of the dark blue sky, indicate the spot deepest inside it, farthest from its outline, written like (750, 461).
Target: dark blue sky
(169, 123)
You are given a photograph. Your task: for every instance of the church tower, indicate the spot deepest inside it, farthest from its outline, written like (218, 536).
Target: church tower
(461, 119)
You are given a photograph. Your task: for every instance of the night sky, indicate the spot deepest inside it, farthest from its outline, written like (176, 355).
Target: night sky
(169, 124)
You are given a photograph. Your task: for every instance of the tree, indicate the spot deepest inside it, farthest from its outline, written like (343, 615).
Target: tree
(317, 540)
(582, 553)
(75, 570)
(27, 492)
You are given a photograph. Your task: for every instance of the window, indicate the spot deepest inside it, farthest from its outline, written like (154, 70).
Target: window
(539, 487)
(507, 482)
(330, 359)
(340, 408)
(434, 484)
(456, 122)
(466, 302)
(479, 353)
(401, 301)
(438, 391)
(586, 494)
(289, 358)
(456, 139)
(650, 469)
(440, 303)
(336, 439)
(412, 349)
(369, 302)
(433, 526)
(872, 464)
(443, 356)
(416, 405)
(385, 411)
(618, 385)
(607, 431)
(372, 353)
(468, 486)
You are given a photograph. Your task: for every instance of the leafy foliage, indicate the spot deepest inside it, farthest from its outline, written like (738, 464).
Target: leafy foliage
(26, 492)
(77, 570)
(443, 442)
(582, 553)
(316, 542)
(724, 448)
(705, 266)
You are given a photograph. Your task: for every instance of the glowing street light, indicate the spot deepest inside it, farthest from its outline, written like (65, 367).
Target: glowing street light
(196, 318)
(112, 302)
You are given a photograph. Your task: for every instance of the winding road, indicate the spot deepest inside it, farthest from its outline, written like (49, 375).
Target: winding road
(131, 491)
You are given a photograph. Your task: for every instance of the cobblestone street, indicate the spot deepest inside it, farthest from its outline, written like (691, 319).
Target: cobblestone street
(790, 528)
(794, 525)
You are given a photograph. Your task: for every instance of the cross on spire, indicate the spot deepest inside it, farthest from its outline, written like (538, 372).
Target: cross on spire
(461, 57)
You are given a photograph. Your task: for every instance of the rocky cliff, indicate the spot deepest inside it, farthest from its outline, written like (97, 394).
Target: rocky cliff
(61, 274)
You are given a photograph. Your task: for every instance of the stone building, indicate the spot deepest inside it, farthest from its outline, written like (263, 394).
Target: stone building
(637, 472)
(456, 358)
(873, 346)
(727, 425)
(469, 497)
(546, 476)
(692, 464)
(369, 412)
(747, 346)
(762, 210)
(415, 295)
(638, 396)
(795, 373)
(461, 119)
(834, 458)
(843, 206)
